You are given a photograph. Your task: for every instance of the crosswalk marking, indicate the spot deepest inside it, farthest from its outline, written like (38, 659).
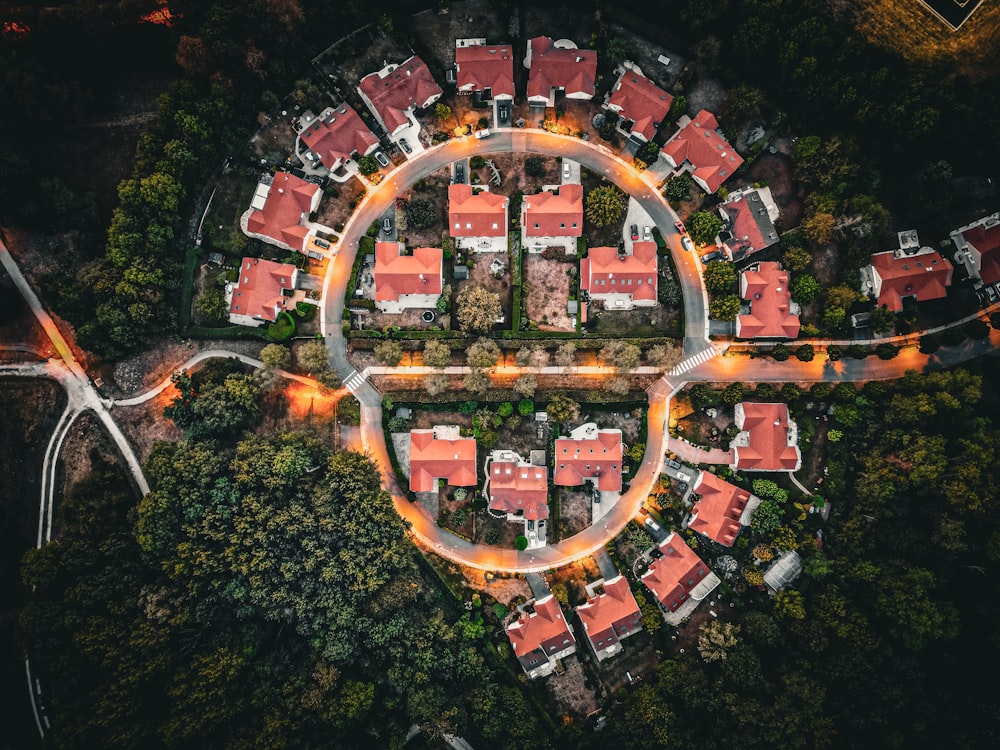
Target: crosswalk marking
(354, 381)
(693, 361)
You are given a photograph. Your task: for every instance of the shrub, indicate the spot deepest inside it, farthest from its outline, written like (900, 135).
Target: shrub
(780, 352)
(886, 351)
(678, 187)
(505, 409)
(733, 393)
(477, 162)
(805, 289)
(521, 543)
(790, 392)
(857, 351)
(281, 329)
(834, 353)
(977, 329)
(526, 407)
(765, 391)
(805, 353)
(305, 311)
(534, 167)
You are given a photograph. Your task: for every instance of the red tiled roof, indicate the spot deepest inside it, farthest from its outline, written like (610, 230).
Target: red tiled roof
(486, 67)
(639, 99)
(748, 220)
(258, 293)
(556, 215)
(925, 276)
(672, 577)
(714, 160)
(537, 636)
(288, 201)
(770, 299)
(600, 458)
(717, 514)
(339, 135)
(470, 214)
(432, 459)
(604, 271)
(516, 488)
(767, 425)
(396, 274)
(610, 616)
(409, 85)
(554, 68)
(986, 240)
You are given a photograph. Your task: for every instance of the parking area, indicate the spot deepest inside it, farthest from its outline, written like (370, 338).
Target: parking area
(638, 224)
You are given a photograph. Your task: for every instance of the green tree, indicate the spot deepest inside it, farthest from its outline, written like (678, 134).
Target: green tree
(733, 393)
(367, 165)
(388, 353)
(222, 409)
(483, 354)
(477, 309)
(724, 308)
(818, 228)
(476, 381)
(678, 187)
(563, 410)
(881, 319)
(805, 353)
(436, 353)
(275, 356)
(604, 205)
(442, 111)
(789, 605)
(796, 259)
(525, 407)
(703, 226)
(720, 277)
(805, 289)
(621, 354)
(886, 351)
(534, 166)
(767, 518)
(211, 304)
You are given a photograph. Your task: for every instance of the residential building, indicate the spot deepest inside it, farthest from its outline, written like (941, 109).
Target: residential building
(477, 218)
(404, 282)
(769, 312)
(337, 135)
(589, 453)
(440, 453)
(640, 103)
(678, 580)
(541, 637)
(912, 274)
(699, 148)
(610, 617)
(978, 249)
(393, 93)
(262, 291)
(722, 510)
(748, 217)
(621, 281)
(559, 67)
(768, 439)
(552, 219)
(280, 209)
(516, 487)
(485, 69)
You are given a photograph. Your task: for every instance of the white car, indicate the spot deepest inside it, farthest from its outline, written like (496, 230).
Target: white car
(687, 243)
(484, 133)
(652, 524)
(647, 234)
(566, 170)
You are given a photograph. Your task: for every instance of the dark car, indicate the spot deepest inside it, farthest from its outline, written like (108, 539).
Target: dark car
(709, 257)
(387, 225)
(405, 146)
(503, 111)
(459, 172)
(635, 232)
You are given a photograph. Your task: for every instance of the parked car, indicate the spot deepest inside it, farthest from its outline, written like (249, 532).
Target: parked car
(503, 111)
(635, 232)
(566, 170)
(709, 257)
(687, 243)
(405, 146)
(673, 464)
(647, 234)
(683, 487)
(683, 476)
(652, 524)
(679, 226)
(321, 243)
(481, 134)
(459, 172)
(381, 158)
(387, 225)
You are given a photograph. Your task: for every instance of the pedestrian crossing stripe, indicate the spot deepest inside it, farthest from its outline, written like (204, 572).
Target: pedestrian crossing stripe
(354, 381)
(693, 361)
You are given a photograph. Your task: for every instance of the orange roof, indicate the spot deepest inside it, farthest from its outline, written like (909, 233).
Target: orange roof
(770, 317)
(258, 293)
(640, 100)
(597, 458)
(923, 275)
(573, 70)
(535, 637)
(610, 616)
(432, 459)
(339, 134)
(717, 514)
(409, 85)
(472, 214)
(672, 577)
(713, 159)
(515, 487)
(396, 275)
(986, 241)
(767, 427)
(288, 202)
(486, 67)
(604, 271)
(555, 214)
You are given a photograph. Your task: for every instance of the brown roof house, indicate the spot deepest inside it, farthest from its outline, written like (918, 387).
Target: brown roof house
(477, 218)
(441, 453)
(541, 637)
(748, 217)
(978, 249)
(678, 580)
(393, 93)
(521, 490)
(279, 211)
(262, 291)
(610, 617)
(723, 509)
(768, 310)
(559, 68)
(404, 282)
(909, 274)
(640, 104)
(768, 439)
(699, 148)
(621, 281)
(552, 219)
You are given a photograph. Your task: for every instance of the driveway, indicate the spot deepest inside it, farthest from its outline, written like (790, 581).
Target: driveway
(637, 215)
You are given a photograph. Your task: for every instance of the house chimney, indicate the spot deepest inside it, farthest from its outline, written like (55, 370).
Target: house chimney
(423, 279)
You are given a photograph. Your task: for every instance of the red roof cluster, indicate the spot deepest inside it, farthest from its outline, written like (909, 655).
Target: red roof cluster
(672, 577)
(597, 458)
(555, 214)
(537, 636)
(986, 241)
(338, 134)
(770, 317)
(638, 99)
(432, 458)
(768, 430)
(396, 275)
(573, 70)
(516, 487)
(288, 202)
(610, 616)
(699, 144)
(410, 84)
(605, 271)
(482, 67)
(472, 214)
(717, 514)
(258, 293)
(924, 275)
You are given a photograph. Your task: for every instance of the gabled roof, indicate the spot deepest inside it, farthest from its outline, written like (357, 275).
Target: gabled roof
(598, 457)
(604, 271)
(556, 214)
(289, 202)
(486, 67)
(516, 486)
(771, 307)
(769, 438)
(410, 84)
(699, 143)
(986, 241)
(558, 68)
(611, 615)
(471, 214)
(538, 635)
(258, 291)
(396, 275)
(638, 99)
(433, 458)
(925, 275)
(337, 134)
(749, 223)
(672, 577)
(717, 514)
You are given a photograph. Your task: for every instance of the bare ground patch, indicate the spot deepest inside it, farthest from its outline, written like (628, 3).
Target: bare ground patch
(776, 171)
(574, 511)
(145, 424)
(512, 174)
(572, 692)
(85, 441)
(336, 207)
(638, 658)
(480, 275)
(547, 286)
